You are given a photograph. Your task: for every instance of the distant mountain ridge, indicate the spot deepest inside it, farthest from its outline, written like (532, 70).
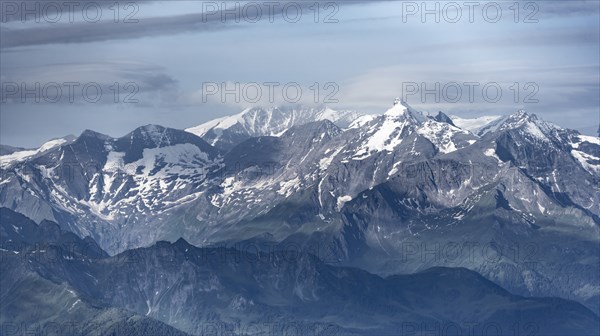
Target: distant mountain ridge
(479, 125)
(229, 131)
(178, 289)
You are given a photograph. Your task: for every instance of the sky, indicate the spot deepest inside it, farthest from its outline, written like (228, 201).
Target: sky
(181, 63)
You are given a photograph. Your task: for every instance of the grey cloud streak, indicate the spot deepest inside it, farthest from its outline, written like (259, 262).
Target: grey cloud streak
(145, 78)
(103, 31)
(84, 32)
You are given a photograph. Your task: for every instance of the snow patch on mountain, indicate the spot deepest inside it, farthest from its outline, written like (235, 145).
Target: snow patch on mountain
(590, 161)
(584, 159)
(362, 121)
(441, 135)
(114, 162)
(230, 185)
(590, 139)
(325, 162)
(535, 131)
(218, 124)
(20, 156)
(342, 200)
(473, 124)
(287, 188)
(383, 137)
(491, 152)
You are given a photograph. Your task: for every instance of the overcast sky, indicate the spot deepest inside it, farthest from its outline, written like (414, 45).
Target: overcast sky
(169, 60)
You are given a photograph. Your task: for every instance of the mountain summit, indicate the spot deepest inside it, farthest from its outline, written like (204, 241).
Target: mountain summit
(229, 131)
(402, 110)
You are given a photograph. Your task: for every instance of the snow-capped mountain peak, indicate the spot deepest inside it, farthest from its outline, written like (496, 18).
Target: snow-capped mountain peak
(518, 119)
(153, 133)
(442, 117)
(530, 124)
(401, 110)
(388, 132)
(227, 132)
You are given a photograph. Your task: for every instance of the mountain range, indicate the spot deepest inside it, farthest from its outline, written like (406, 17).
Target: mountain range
(54, 281)
(511, 199)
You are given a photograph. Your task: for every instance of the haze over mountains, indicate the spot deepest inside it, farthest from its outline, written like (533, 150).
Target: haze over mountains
(513, 198)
